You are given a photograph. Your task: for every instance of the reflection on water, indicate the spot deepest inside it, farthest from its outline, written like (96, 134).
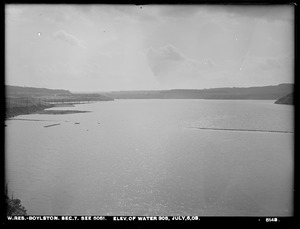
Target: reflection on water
(137, 157)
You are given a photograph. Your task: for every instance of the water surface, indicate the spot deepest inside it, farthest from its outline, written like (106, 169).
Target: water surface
(146, 157)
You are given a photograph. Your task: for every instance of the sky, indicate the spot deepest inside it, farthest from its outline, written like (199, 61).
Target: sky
(91, 48)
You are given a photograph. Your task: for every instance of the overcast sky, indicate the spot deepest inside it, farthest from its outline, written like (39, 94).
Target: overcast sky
(111, 47)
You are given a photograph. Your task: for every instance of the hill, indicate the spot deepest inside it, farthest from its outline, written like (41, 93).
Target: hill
(264, 92)
(55, 95)
(32, 91)
(27, 100)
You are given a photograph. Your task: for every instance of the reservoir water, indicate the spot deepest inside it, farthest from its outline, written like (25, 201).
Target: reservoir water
(148, 157)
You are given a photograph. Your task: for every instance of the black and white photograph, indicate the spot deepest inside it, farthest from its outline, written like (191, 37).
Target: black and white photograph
(149, 112)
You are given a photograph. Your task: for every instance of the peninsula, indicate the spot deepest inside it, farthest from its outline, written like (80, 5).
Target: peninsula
(27, 100)
(288, 99)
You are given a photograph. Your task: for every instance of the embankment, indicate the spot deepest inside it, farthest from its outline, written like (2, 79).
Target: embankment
(15, 111)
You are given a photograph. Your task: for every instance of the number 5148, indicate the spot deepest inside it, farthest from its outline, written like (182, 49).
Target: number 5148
(271, 219)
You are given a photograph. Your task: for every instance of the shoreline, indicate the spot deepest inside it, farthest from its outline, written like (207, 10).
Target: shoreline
(16, 111)
(40, 109)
